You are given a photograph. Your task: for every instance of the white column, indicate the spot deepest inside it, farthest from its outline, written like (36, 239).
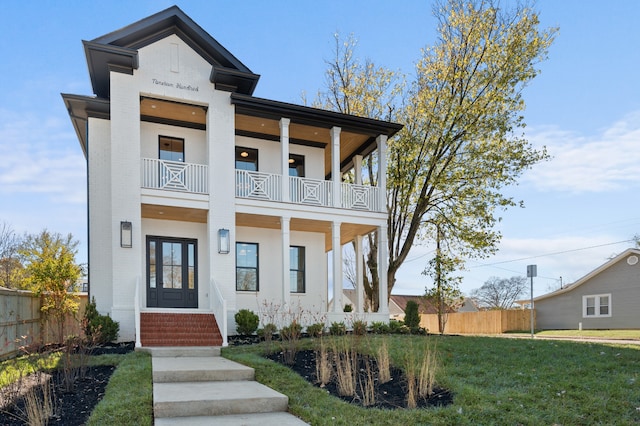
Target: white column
(337, 267)
(336, 176)
(383, 266)
(359, 275)
(382, 171)
(284, 157)
(286, 260)
(357, 166)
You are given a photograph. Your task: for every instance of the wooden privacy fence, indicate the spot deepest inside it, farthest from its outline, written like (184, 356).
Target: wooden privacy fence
(483, 322)
(20, 321)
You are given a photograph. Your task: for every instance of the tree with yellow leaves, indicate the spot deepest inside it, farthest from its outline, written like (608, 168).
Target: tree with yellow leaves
(462, 142)
(51, 273)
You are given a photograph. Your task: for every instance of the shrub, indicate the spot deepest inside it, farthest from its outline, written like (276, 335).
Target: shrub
(338, 328)
(99, 328)
(347, 308)
(290, 337)
(267, 332)
(315, 330)
(398, 327)
(411, 315)
(359, 328)
(247, 322)
(379, 327)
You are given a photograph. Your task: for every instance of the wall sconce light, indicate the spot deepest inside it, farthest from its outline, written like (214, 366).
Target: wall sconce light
(126, 235)
(223, 241)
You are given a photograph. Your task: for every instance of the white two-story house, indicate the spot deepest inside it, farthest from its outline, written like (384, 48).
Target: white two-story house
(203, 200)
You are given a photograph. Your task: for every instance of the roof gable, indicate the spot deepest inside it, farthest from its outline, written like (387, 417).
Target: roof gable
(611, 262)
(117, 51)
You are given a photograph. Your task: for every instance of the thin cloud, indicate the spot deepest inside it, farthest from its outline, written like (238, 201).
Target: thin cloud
(605, 162)
(40, 157)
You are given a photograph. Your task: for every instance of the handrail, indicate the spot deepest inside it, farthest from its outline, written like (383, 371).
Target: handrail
(219, 308)
(136, 308)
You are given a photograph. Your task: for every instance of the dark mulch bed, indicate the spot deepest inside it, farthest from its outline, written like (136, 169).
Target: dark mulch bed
(390, 395)
(73, 408)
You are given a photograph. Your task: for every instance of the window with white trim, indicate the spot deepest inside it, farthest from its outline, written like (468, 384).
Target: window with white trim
(596, 306)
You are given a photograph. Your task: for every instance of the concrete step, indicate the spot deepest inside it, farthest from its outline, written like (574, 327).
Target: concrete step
(181, 351)
(260, 419)
(215, 399)
(198, 369)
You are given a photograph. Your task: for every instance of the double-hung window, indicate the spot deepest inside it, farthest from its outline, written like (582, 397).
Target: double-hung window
(297, 269)
(596, 306)
(247, 267)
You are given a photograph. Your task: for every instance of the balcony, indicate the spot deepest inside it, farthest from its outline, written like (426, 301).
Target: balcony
(175, 176)
(313, 192)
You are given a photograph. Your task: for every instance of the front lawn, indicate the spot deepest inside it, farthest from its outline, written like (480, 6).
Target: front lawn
(494, 381)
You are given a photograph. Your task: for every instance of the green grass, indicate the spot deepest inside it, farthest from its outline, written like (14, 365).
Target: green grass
(129, 395)
(495, 381)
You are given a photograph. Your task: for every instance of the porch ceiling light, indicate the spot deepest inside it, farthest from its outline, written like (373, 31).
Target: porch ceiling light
(223, 241)
(126, 235)
(244, 154)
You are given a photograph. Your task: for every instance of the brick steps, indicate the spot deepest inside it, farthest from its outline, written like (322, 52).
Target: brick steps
(174, 329)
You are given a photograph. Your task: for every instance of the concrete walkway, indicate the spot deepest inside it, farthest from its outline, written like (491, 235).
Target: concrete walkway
(196, 386)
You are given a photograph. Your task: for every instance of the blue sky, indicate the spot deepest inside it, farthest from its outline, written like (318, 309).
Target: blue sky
(581, 206)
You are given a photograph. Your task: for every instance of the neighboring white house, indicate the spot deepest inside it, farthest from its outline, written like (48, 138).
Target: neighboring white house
(202, 199)
(606, 298)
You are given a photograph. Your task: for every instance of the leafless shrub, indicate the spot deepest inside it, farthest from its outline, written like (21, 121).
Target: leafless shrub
(324, 367)
(382, 359)
(366, 384)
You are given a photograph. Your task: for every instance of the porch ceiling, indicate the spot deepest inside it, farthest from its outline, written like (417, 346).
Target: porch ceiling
(176, 112)
(302, 134)
(348, 231)
(153, 211)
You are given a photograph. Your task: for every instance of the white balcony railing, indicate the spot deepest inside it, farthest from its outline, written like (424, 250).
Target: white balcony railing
(267, 186)
(175, 176)
(310, 191)
(258, 185)
(360, 197)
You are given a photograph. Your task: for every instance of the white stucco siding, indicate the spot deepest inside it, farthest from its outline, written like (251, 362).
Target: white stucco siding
(621, 281)
(170, 69)
(222, 211)
(195, 141)
(99, 205)
(125, 195)
(270, 271)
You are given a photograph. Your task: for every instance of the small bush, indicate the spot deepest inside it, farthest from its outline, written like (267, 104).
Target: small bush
(359, 328)
(411, 315)
(338, 329)
(266, 333)
(315, 330)
(290, 337)
(379, 327)
(99, 328)
(247, 322)
(398, 327)
(347, 308)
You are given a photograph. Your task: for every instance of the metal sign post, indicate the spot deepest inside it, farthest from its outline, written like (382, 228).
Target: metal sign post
(532, 271)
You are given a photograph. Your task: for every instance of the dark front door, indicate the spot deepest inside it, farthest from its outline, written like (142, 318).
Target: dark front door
(172, 272)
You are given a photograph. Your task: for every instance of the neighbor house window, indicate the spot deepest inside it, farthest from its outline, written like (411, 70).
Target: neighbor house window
(171, 149)
(297, 267)
(296, 165)
(247, 267)
(246, 159)
(598, 305)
